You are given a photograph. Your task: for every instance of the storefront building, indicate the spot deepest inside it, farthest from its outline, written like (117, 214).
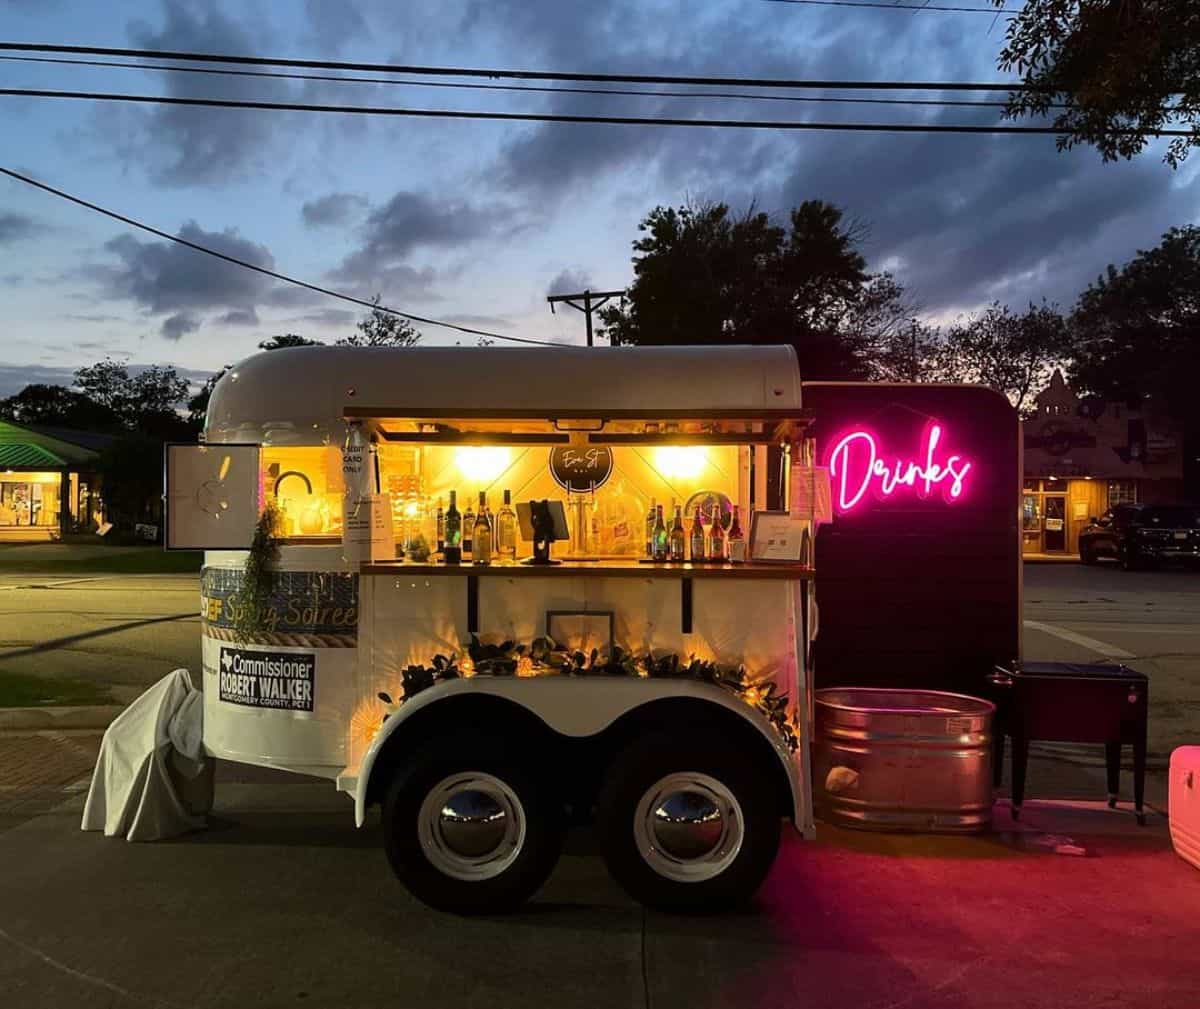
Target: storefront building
(48, 483)
(1084, 456)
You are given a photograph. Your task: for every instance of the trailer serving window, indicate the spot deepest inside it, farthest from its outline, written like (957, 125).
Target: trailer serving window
(610, 473)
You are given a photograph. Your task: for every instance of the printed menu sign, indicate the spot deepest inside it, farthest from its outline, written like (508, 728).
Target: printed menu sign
(257, 679)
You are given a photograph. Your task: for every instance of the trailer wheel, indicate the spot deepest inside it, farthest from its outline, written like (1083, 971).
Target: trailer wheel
(687, 827)
(469, 830)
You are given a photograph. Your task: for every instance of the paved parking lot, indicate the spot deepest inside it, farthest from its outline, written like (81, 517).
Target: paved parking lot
(128, 630)
(1149, 620)
(283, 903)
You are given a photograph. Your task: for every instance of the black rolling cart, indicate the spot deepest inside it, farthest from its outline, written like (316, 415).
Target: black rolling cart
(1067, 702)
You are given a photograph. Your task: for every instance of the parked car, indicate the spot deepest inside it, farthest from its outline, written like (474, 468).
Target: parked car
(1139, 535)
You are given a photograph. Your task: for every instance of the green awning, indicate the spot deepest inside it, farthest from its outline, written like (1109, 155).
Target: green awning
(23, 455)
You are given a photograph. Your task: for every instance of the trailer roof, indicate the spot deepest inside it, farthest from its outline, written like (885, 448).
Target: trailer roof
(303, 393)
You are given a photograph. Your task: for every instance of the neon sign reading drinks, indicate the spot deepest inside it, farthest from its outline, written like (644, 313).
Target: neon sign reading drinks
(858, 464)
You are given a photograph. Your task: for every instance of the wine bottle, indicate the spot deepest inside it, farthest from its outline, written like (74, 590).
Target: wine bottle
(441, 527)
(737, 539)
(661, 539)
(650, 530)
(481, 538)
(697, 539)
(452, 548)
(678, 536)
(716, 539)
(468, 547)
(506, 530)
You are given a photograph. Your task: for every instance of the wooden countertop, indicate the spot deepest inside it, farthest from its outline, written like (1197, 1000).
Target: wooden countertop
(604, 568)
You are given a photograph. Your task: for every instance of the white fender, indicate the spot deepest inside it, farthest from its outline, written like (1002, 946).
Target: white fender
(583, 706)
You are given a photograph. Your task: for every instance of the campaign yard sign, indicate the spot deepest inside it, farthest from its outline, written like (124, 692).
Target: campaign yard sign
(258, 679)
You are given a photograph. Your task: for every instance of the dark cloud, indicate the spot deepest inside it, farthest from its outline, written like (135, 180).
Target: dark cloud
(961, 219)
(14, 377)
(497, 322)
(335, 208)
(964, 220)
(166, 278)
(291, 296)
(328, 317)
(177, 326)
(411, 221)
(335, 22)
(239, 317)
(569, 281)
(14, 227)
(91, 317)
(196, 146)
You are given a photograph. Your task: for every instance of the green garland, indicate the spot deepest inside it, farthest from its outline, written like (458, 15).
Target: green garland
(254, 597)
(544, 657)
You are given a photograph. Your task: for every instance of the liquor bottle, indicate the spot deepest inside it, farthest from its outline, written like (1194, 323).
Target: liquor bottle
(468, 547)
(481, 538)
(650, 530)
(737, 539)
(716, 539)
(678, 536)
(452, 547)
(697, 539)
(660, 538)
(441, 527)
(506, 530)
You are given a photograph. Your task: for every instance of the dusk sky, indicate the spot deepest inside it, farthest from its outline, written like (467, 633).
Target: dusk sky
(475, 222)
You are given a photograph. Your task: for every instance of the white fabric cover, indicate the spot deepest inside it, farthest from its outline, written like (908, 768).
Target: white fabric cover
(152, 780)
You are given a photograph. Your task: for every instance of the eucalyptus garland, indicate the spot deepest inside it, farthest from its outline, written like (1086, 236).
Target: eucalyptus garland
(543, 657)
(254, 596)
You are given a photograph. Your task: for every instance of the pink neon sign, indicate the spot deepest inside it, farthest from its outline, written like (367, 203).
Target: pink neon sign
(858, 465)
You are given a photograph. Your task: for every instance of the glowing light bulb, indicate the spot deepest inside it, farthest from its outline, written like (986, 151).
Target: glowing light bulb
(525, 666)
(482, 463)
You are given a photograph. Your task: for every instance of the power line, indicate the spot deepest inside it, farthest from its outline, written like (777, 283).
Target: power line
(543, 89)
(546, 117)
(262, 269)
(539, 75)
(879, 5)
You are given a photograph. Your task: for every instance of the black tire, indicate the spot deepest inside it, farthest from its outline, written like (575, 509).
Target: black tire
(409, 859)
(630, 777)
(1086, 554)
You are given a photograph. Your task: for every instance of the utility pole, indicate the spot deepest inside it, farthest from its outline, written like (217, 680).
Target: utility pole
(589, 305)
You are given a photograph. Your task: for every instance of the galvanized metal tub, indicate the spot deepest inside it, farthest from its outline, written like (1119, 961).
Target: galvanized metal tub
(903, 760)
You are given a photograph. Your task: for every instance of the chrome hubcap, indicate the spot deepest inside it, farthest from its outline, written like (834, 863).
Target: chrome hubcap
(471, 826)
(688, 827)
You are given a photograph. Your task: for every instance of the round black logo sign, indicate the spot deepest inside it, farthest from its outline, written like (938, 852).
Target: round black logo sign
(581, 469)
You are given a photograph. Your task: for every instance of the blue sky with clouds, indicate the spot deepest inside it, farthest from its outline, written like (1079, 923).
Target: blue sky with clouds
(476, 221)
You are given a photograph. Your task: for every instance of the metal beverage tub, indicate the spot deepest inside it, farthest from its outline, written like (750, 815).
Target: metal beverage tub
(903, 760)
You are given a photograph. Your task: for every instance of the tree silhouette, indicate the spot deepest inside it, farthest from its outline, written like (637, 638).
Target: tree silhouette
(381, 329)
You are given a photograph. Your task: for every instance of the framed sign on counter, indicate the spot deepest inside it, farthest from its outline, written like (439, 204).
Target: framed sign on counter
(777, 537)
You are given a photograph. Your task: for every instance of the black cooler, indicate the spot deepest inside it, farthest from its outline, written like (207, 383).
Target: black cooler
(1071, 703)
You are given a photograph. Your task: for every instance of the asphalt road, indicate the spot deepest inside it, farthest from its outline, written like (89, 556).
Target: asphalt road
(281, 902)
(127, 630)
(1149, 620)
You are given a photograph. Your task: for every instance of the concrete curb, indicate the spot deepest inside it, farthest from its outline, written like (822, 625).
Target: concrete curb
(95, 716)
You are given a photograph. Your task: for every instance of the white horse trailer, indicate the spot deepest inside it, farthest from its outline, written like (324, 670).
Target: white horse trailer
(486, 705)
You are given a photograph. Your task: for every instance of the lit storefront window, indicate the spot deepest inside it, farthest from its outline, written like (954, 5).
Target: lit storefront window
(1122, 492)
(29, 499)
